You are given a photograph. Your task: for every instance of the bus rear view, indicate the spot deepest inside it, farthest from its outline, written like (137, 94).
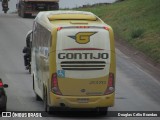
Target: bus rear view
(81, 62)
(85, 67)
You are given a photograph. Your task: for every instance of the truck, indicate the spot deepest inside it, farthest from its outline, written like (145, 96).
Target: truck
(28, 8)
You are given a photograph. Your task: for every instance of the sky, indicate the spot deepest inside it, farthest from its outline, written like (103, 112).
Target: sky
(62, 3)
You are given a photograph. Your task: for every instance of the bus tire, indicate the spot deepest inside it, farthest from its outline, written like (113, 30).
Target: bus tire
(102, 111)
(46, 107)
(38, 98)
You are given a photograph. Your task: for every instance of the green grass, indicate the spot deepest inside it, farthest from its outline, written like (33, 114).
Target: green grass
(135, 21)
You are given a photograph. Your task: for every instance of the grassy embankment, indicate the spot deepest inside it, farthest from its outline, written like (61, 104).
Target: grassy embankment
(135, 21)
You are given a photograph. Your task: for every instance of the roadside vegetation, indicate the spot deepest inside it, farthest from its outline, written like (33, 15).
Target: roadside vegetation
(135, 21)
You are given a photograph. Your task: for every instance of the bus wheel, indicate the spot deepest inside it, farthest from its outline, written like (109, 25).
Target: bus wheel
(102, 111)
(46, 107)
(38, 98)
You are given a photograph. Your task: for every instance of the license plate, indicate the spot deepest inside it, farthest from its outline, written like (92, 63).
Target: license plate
(83, 100)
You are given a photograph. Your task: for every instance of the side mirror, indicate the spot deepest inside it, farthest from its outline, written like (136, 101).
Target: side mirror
(5, 85)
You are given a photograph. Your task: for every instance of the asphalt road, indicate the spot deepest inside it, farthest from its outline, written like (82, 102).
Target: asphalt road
(136, 88)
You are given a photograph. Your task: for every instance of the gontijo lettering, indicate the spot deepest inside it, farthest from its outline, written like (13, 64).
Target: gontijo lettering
(82, 56)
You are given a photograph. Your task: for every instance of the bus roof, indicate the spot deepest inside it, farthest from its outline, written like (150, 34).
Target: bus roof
(47, 17)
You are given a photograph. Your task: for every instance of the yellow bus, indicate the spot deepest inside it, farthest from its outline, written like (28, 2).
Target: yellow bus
(73, 61)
